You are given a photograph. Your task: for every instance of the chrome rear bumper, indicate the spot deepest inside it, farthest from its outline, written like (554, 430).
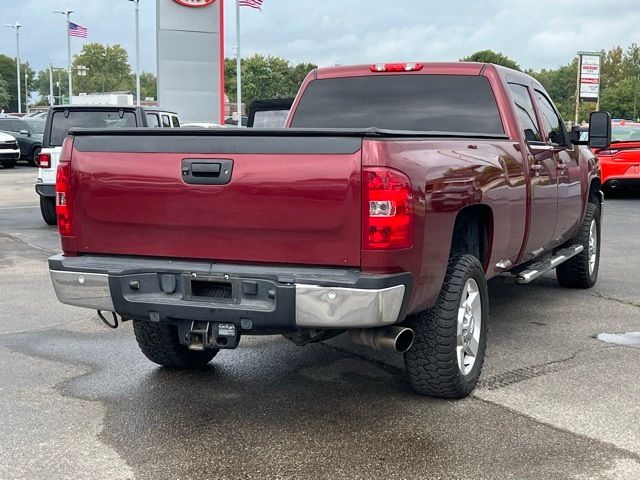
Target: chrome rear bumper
(278, 301)
(89, 290)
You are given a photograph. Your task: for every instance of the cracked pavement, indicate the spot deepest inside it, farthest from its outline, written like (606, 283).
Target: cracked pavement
(78, 400)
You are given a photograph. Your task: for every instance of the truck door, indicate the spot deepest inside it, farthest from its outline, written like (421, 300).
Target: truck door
(566, 159)
(542, 174)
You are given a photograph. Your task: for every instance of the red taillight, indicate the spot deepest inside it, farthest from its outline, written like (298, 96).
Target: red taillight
(396, 67)
(44, 160)
(387, 209)
(63, 197)
(63, 194)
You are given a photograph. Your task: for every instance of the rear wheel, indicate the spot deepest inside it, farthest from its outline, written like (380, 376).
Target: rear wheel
(9, 163)
(48, 210)
(581, 271)
(33, 161)
(450, 338)
(160, 343)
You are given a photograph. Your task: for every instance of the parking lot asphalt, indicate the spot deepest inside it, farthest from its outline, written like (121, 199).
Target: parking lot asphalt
(78, 400)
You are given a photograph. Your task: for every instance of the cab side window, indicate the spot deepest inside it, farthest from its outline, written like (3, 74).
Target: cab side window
(551, 121)
(525, 111)
(175, 122)
(166, 123)
(153, 120)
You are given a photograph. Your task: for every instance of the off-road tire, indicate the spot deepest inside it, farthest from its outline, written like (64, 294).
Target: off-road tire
(431, 363)
(48, 210)
(574, 273)
(33, 161)
(160, 344)
(9, 163)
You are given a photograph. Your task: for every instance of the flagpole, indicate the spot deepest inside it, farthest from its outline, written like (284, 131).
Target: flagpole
(238, 65)
(68, 12)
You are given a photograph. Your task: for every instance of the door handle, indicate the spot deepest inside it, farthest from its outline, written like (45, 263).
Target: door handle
(201, 171)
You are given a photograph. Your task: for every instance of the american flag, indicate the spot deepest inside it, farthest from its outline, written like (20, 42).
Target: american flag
(76, 30)
(251, 3)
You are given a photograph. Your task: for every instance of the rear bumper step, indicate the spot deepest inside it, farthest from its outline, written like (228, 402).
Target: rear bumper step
(540, 268)
(254, 299)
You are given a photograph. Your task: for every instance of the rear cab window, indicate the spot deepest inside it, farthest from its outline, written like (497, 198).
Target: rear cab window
(426, 103)
(175, 123)
(63, 120)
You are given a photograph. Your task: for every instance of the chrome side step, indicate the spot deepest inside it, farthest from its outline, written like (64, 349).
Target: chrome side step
(543, 266)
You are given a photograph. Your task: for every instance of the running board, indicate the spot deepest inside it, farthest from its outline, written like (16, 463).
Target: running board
(543, 266)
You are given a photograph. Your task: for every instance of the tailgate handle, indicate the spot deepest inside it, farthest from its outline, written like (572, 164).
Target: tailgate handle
(206, 171)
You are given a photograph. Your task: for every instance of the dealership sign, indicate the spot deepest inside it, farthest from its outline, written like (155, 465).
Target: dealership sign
(195, 3)
(589, 76)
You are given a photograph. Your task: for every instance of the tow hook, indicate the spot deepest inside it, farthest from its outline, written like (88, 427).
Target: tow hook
(212, 335)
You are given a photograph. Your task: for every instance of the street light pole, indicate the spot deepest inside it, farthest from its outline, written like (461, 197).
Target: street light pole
(51, 97)
(68, 13)
(137, 3)
(17, 27)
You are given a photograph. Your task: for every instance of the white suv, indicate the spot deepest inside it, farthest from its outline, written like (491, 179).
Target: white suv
(64, 117)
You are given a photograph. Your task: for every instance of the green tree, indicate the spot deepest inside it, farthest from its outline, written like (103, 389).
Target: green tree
(148, 85)
(632, 57)
(4, 93)
(265, 77)
(8, 74)
(489, 56)
(560, 83)
(60, 85)
(618, 99)
(107, 69)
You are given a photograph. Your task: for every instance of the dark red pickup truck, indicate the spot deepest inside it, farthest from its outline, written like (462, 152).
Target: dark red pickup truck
(394, 193)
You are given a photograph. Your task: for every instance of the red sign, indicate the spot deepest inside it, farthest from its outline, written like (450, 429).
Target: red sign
(195, 3)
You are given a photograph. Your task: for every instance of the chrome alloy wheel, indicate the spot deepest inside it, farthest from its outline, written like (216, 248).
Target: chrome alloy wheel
(593, 246)
(469, 326)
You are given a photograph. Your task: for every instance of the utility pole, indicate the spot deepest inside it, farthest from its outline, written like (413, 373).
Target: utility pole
(17, 27)
(137, 3)
(635, 96)
(51, 97)
(26, 91)
(68, 13)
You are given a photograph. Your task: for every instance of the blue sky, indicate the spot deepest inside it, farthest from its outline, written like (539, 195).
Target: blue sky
(544, 33)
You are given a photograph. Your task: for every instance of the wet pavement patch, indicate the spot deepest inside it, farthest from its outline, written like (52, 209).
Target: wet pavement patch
(628, 339)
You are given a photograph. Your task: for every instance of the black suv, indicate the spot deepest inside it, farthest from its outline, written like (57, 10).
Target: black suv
(28, 132)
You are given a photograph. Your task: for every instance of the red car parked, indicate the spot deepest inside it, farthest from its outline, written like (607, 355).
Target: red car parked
(621, 161)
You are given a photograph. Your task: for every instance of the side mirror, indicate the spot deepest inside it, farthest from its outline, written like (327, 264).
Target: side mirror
(579, 135)
(600, 130)
(25, 132)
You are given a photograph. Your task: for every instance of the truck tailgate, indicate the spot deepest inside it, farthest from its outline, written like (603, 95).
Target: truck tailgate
(288, 199)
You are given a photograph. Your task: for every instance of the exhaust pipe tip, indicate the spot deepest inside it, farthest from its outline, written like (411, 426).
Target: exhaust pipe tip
(404, 340)
(394, 339)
